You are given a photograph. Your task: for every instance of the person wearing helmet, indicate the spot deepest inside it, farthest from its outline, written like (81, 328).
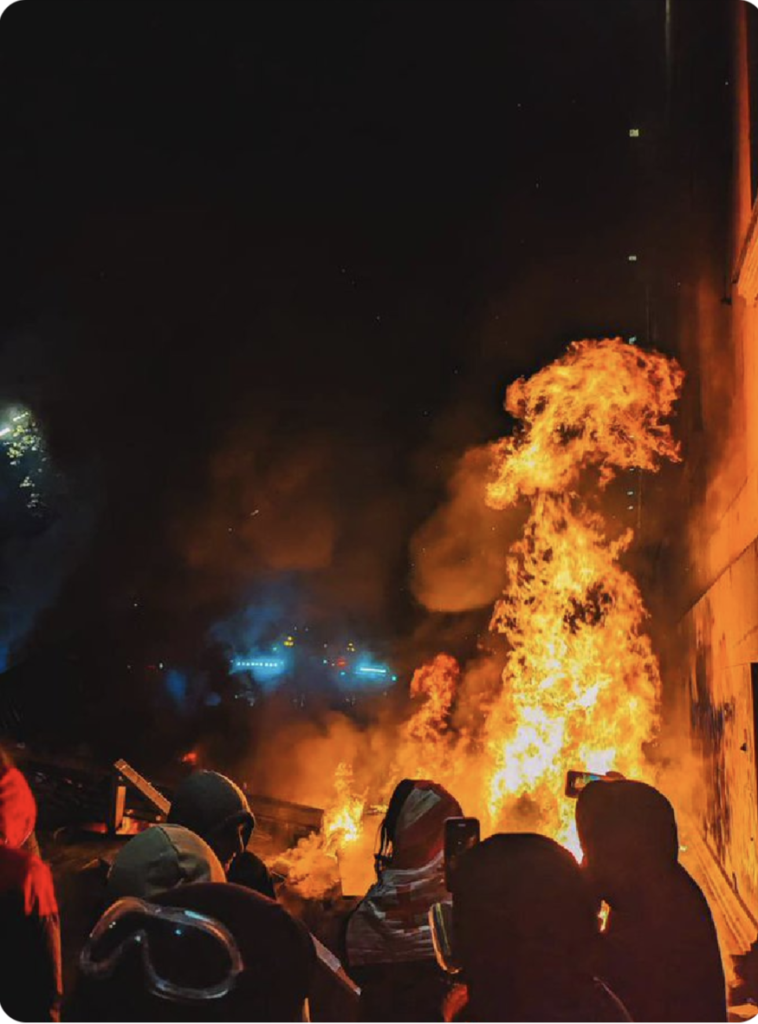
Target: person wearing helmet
(216, 809)
(161, 858)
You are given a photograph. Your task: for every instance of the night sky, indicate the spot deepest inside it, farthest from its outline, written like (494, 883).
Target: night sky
(268, 268)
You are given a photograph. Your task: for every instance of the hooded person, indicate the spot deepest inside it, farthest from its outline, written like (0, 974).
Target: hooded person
(660, 949)
(30, 965)
(161, 858)
(216, 809)
(524, 930)
(201, 952)
(388, 942)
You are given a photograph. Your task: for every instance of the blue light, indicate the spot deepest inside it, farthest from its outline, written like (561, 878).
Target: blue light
(176, 684)
(265, 668)
(367, 673)
(245, 663)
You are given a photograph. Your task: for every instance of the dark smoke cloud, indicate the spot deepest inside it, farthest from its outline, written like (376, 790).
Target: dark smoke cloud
(33, 570)
(301, 524)
(270, 507)
(269, 608)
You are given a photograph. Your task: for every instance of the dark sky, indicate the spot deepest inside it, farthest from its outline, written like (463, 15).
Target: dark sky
(287, 257)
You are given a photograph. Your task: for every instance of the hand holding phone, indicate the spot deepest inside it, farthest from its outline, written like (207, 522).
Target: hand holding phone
(460, 835)
(576, 780)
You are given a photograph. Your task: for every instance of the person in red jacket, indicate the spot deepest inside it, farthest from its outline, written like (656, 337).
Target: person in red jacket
(30, 963)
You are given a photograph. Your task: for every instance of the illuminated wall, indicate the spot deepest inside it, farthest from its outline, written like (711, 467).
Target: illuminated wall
(718, 326)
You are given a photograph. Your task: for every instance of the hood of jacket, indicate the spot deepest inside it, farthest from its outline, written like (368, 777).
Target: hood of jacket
(419, 835)
(206, 802)
(161, 858)
(18, 809)
(277, 953)
(629, 837)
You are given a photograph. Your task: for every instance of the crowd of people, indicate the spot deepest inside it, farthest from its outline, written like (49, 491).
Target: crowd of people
(188, 926)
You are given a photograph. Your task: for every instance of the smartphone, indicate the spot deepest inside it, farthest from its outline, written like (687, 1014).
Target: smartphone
(460, 835)
(576, 781)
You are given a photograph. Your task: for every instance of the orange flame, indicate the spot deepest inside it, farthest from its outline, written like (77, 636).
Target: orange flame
(599, 406)
(426, 743)
(437, 682)
(581, 683)
(342, 819)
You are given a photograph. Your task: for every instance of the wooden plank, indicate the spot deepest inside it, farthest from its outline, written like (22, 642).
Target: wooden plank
(145, 788)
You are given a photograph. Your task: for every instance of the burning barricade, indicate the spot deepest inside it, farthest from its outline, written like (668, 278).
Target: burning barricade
(579, 682)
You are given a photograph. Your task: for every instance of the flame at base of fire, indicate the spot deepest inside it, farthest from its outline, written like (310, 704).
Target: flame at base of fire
(312, 867)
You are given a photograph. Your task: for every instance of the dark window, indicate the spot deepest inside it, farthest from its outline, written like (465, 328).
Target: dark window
(752, 63)
(754, 688)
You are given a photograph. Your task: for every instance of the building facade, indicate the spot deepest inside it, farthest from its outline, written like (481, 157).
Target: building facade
(715, 706)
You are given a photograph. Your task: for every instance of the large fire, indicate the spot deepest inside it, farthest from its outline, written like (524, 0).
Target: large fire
(580, 682)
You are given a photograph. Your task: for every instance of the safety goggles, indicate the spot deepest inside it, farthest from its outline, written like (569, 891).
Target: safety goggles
(185, 956)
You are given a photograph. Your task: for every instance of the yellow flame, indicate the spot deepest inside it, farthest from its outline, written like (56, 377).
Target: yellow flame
(581, 683)
(342, 819)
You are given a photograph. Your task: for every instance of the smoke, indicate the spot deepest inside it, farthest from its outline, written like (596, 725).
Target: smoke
(301, 514)
(270, 606)
(33, 570)
(270, 507)
(458, 555)
(297, 759)
(481, 683)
